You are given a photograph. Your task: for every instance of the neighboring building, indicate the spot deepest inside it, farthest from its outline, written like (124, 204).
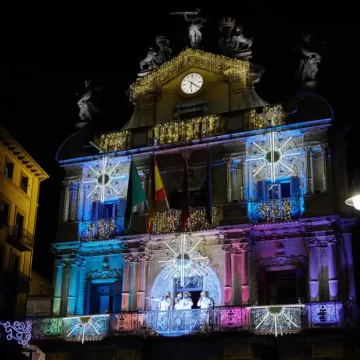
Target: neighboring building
(276, 259)
(40, 297)
(20, 178)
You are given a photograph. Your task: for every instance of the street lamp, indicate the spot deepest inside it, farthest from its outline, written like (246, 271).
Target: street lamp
(354, 201)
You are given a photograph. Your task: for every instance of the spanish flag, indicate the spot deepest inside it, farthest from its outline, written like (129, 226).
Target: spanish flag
(157, 194)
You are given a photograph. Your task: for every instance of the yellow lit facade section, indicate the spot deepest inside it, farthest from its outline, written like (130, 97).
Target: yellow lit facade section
(20, 178)
(159, 99)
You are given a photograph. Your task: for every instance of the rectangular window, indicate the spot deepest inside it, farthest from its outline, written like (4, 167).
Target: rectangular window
(24, 183)
(9, 169)
(191, 110)
(4, 213)
(19, 224)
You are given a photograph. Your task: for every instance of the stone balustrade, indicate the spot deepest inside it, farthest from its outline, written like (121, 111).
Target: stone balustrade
(270, 320)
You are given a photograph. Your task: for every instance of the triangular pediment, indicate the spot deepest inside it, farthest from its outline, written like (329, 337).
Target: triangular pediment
(219, 64)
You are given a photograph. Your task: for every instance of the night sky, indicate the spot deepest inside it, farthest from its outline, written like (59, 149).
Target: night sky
(38, 91)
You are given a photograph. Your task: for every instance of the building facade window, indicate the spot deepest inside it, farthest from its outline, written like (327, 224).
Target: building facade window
(4, 213)
(24, 183)
(9, 169)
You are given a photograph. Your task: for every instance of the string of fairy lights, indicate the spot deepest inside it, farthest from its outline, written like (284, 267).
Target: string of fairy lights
(190, 57)
(191, 129)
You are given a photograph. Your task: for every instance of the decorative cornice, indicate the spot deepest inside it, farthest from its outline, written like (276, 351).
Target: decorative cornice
(104, 274)
(19, 152)
(291, 260)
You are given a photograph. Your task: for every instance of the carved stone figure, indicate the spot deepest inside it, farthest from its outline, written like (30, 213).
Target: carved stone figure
(154, 59)
(234, 43)
(309, 63)
(88, 110)
(196, 23)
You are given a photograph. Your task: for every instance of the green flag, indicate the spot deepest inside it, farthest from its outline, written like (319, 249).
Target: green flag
(135, 195)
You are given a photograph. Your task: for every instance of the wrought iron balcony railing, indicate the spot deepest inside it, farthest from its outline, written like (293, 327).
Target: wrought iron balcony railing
(272, 320)
(275, 209)
(115, 141)
(20, 235)
(103, 229)
(177, 131)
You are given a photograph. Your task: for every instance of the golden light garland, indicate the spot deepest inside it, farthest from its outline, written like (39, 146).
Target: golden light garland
(198, 220)
(275, 210)
(271, 116)
(188, 58)
(176, 131)
(115, 141)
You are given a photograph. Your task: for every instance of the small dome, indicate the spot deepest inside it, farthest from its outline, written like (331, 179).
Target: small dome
(75, 146)
(307, 107)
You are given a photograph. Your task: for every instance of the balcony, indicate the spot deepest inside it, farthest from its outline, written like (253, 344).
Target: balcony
(283, 209)
(192, 129)
(20, 238)
(38, 306)
(272, 320)
(115, 141)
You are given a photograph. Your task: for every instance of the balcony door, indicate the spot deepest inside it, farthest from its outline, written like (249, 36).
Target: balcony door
(194, 285)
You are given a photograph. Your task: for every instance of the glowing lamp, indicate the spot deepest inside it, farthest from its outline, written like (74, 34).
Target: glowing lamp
(354, 201)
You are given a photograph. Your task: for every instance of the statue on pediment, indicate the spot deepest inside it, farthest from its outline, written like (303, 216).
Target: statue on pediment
(155, 58)
(309, 63)
(88, 109)
(233, 42)
(196, 23)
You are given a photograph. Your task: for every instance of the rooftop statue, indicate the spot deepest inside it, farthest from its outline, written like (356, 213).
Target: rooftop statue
(309, 63)
(196, 23)
(88, 110)
(233, 42)
(154, 59)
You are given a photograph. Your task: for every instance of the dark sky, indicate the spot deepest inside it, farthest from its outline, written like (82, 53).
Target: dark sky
(52, 59)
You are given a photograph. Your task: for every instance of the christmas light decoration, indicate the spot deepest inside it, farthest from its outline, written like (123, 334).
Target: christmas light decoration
(271, 116)
(115, 141)
(231, 68)
(198, 220)
(106, 178)
(176, 131)
(272, 156)
(276, 319)
(275, 209)
(185, 258)
(85, 328)
(18, 331)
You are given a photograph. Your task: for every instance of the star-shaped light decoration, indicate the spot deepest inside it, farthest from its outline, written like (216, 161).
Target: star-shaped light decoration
(185, 259)
(277, 319)
(272, 156)
(106, 178)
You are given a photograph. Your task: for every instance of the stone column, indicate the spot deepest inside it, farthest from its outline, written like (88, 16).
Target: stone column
(126, 285)
(326, 172)
(228, 165)
(80, 202)
(148, 276)
(141, 284)
(332, 268)
(227, 277)
(313, 273)
(308, 171)
(58, 288)
(81, 289)
(236, 277)
(245, 288)
(348, 264)
(134, 267)
(66, 192)
(72, 289)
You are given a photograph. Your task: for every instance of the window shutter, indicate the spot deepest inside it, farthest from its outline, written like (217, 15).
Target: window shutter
(121, 207)
(295, 186)
(260, 190)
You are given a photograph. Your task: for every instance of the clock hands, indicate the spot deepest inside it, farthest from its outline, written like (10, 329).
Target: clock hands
(194, 84)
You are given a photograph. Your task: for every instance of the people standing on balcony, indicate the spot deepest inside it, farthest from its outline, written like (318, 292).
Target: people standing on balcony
(178, 299)
(205, 302)
(186, 303)
(165, 302)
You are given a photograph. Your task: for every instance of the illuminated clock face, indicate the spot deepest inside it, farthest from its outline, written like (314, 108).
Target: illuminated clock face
(192, 83)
